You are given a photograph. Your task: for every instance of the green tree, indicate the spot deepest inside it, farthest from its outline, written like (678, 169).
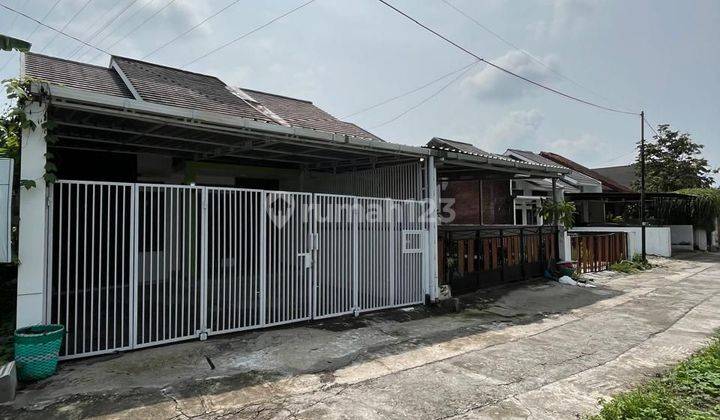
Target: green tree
(673, 162)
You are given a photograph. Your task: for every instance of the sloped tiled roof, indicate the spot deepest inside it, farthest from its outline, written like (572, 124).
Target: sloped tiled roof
(540, 158)
(183, 89)
(624, 175)
(302, 113)
(75, 75)
(608, 184)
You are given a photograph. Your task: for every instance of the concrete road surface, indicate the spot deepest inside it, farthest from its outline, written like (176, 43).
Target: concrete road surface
(536, 350)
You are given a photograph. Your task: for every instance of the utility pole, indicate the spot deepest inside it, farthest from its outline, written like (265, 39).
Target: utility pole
(642, 182)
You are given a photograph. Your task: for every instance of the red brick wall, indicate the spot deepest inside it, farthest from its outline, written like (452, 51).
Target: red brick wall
(496, 201)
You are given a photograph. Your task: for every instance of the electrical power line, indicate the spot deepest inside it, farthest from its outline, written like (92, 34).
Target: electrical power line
(651, 127)
(523, 51)
(148, 19)
(66, 25)
(37, 26)
(647, 123)
(257, 28)
(102, 27)
(128, 19)
(31, 33)
(409, 92)
(509, 72)
(434, 94)
(54, 29)
(190, 29)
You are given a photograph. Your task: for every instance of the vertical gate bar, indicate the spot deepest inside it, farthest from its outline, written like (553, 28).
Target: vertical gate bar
(355, 256)
(163, 277)
(223, 258)
(77, 242)
(195, 260)
(215, 227)
(84, 261)
(232, 254)
(107, 271)
(183, 248)
(242, 267)
(392, 227)
(203, 259)
(133, 268)
(60, 249)
(263, 255)
(295, 275)
(285, 269)
(255, 258)
(159, 192)
(115, 248)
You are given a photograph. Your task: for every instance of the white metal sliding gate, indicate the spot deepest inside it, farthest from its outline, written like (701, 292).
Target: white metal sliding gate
(136, 265)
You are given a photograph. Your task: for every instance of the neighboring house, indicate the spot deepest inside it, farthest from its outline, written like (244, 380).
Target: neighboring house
(609, 183)
(492, 199)
(624, 175)
(529, 193)
(481, 246)
(186, 208)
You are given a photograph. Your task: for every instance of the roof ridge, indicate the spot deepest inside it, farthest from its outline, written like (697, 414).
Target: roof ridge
(167, 67)
(67, 60)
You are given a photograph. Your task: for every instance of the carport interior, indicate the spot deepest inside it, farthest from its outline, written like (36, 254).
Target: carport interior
(164, 229)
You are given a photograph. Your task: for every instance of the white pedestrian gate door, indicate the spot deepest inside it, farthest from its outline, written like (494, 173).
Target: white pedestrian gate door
(137, 265)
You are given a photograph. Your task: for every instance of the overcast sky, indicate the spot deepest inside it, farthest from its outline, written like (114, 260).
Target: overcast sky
(660, 56)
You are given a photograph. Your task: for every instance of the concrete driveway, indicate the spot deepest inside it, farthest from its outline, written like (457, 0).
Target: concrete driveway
(536, 350)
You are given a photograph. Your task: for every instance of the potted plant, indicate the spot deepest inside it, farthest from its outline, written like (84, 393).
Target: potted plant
(36, 351)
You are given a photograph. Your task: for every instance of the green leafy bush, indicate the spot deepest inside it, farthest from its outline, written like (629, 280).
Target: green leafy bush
(690, 391)
(631, 266)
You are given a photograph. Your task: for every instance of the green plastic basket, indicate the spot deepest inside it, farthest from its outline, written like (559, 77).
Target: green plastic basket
(36, 351)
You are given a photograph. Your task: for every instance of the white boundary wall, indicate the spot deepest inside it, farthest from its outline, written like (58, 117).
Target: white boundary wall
(681, 237)
(657, 239)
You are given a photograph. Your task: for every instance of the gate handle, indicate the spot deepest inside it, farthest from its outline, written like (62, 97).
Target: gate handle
(307, 257)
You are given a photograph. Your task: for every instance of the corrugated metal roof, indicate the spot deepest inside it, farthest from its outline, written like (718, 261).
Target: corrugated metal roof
(75, 75)
(542, 160)
(468, 149)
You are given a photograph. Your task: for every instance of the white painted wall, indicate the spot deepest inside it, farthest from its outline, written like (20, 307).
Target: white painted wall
(6, 183)
(657, 239)
(701, 239)
(33, 223)
(681, 237)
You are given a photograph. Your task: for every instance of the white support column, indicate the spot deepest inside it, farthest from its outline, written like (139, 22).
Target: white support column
(564, 245)
(432, 248)
(32, 238)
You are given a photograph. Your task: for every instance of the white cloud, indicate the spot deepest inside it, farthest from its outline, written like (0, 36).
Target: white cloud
(516, 129)
(585, 149)
(567, 16)
(491, 83)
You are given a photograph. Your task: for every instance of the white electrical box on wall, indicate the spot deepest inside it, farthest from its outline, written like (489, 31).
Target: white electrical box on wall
(6, 182)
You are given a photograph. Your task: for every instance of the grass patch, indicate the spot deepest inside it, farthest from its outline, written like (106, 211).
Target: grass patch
(631, 266)
(691, 390)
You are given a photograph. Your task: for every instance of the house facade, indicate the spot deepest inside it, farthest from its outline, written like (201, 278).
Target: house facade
(186, 208)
